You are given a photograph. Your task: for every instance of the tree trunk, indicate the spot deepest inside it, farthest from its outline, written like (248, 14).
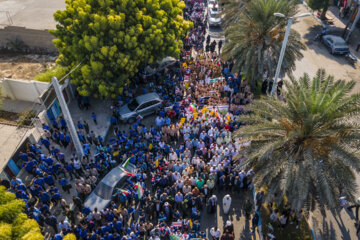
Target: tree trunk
(324, 10)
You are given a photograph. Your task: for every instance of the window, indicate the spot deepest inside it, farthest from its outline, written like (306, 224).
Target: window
(133, 105)
(144, 105)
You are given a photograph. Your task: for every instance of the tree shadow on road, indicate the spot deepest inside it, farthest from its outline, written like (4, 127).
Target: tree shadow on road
(319, 48)
(328, 231)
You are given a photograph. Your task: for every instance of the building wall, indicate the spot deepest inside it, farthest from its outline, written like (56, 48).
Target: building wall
(36, 40)
(22, 90)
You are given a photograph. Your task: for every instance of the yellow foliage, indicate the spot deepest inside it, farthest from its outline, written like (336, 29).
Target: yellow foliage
(5, 231)
(69, 236)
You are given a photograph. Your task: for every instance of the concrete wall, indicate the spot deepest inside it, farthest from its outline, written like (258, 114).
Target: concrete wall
(34, 39)
(22, 90)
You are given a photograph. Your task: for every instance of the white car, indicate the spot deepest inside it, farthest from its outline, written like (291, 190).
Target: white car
(213, 5)
(213, 18)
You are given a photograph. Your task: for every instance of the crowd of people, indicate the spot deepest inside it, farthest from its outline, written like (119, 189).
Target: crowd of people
(183, 162)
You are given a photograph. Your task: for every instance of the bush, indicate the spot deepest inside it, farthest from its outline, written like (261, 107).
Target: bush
(25, 118)
(56, 71)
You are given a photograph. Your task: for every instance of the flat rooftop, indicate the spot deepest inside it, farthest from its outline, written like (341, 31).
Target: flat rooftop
(10, 139)
(32, 14)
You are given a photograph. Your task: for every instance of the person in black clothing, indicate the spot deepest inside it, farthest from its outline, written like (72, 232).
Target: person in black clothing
(213, 46)
(220, 45)
(208, 40)
(52, 222)
(77, 202)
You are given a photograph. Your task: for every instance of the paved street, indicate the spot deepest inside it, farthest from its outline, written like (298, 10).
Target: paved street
(333, 225)
(317, 55)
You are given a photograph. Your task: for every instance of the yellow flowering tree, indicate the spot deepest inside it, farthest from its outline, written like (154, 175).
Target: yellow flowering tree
(14, 224)
(112, 38)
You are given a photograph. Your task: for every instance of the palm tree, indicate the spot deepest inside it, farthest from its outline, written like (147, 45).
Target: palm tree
(230, 10)
(305, 148)
(255, 38)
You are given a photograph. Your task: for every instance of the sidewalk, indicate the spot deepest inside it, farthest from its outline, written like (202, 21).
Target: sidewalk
(100, 107)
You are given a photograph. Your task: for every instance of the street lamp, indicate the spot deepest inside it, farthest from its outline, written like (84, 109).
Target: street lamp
(290, 20)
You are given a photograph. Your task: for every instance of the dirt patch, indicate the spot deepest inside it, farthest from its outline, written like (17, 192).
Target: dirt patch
(8, 117)
(24, 67)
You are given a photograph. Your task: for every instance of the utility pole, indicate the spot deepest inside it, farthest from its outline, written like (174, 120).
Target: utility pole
(283, 47)
(353, 25)
(282, 53)
(67, 117)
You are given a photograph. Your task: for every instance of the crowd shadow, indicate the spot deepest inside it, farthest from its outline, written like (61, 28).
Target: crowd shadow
(236, 215)
(328, 230)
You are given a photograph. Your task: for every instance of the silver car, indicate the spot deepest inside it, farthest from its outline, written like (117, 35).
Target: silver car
(101, 196)
(336, 44)
(213, 18)
(141, 106)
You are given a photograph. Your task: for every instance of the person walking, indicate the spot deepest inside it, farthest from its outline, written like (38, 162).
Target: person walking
(215, 233)
(52, 222)
(254, 222)
(226, 203)
(94, 117)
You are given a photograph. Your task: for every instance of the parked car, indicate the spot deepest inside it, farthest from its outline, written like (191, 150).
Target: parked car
(213, 18)
(101, 196)
(142, 105)
(336, 44)
(213, 5)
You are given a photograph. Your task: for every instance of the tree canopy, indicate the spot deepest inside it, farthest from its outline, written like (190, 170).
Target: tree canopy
(306, 147)
(255, 38)
(322, 5)
(14, 224)
(112, 38)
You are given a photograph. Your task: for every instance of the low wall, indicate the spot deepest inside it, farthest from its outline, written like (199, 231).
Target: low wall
(35, 40)
(22, 89)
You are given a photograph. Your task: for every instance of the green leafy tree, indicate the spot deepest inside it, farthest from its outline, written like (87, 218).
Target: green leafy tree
(255, 39)
(56, 71)
(112, 38)
(14, 224)
(320, 5)
(306, 147)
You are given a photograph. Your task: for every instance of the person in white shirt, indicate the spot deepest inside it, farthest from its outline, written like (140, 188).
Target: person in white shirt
(64, 225)
(179, 184)
(173, 156)
(195, 160)
(274, 217)
(175, 176)
(215, 233)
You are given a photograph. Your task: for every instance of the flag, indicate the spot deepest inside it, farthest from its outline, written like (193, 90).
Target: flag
(157, 162)
(140, 190)
(124, 191)
(127, 162)
(130, 174)
(175, 237)
(140, 117)
(205, 116)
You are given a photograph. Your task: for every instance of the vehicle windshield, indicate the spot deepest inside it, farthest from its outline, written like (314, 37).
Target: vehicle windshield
(133, 105)
(340, 44)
